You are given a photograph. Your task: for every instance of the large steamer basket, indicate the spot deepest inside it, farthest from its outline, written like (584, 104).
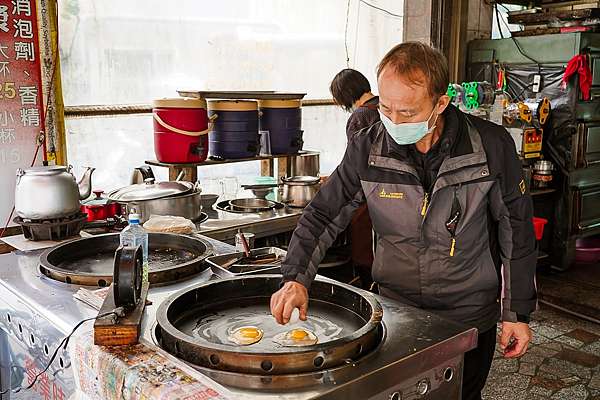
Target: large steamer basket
(358, 310)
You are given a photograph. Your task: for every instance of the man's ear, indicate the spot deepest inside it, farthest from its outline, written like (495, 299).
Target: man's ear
(442, 103)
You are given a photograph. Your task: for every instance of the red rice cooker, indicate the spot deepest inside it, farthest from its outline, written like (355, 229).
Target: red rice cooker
(181, 129)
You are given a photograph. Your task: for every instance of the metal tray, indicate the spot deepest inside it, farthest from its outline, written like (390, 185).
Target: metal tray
(216, 263)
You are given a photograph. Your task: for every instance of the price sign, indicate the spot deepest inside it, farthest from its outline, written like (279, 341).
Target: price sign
(21, 103)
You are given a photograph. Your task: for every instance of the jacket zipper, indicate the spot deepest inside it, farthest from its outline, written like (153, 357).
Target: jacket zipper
(453, 234)
(425, 204)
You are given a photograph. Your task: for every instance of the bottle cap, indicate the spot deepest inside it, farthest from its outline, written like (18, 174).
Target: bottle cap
(134, 218)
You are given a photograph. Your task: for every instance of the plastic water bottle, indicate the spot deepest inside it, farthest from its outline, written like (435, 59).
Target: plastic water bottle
(135, 235)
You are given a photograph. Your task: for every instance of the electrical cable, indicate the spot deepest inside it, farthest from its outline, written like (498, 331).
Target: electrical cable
(380, 9)
(519, 48)
(346, 35)
(63, 344)
(518, 97)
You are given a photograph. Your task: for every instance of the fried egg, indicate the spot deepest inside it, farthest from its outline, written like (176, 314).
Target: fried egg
(296, 337)
(246, 335)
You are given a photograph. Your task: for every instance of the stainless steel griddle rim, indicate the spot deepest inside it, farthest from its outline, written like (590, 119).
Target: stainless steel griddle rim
(225, 206)
(60, 272)
(297, 380)
(168, 328)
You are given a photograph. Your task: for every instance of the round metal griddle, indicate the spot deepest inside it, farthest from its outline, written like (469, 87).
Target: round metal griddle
(90, 261)
(194, 324)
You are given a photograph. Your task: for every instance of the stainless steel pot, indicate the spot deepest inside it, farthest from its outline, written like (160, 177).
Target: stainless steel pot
(298, 191)
(50, 192)
(187, 205)
(305, 165)
(180, 199)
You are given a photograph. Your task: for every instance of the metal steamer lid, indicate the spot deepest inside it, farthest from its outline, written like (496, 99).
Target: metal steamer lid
(150, 190)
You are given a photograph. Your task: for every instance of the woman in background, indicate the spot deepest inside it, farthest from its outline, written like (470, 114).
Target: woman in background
(351, 91)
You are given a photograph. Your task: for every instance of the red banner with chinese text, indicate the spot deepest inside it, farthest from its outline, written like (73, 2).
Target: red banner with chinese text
(21, 103)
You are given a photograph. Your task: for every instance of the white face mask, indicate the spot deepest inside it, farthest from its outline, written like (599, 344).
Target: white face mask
(408, 132)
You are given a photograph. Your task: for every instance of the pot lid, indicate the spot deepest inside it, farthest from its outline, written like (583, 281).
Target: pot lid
(179, 102)
(232, 105)
(279, 103)
(150, 190)
(96, 200)
(301, 179)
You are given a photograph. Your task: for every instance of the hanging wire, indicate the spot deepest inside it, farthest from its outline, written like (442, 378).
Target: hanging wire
(518, 45)
(346, 35)
(380, 9)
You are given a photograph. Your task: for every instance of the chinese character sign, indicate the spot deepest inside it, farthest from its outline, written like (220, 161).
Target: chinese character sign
(21, 103)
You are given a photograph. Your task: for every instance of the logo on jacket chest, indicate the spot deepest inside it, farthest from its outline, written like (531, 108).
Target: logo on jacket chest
(391, 195)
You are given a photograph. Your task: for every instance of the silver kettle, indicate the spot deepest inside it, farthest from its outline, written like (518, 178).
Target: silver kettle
(50, 192)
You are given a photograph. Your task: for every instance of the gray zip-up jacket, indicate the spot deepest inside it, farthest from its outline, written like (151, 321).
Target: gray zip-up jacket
(466, 250)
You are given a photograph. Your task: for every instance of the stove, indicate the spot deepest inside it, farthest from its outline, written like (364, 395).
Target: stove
(55, 229)
(417, 352)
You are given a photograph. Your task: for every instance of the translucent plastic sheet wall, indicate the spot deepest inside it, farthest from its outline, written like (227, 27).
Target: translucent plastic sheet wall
(115, 52)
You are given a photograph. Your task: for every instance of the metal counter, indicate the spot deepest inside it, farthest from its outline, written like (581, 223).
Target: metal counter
(223, 225)
(417, 352)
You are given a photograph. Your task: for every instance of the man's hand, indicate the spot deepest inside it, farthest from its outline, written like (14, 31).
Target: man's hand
(291, 295)
(521, 335)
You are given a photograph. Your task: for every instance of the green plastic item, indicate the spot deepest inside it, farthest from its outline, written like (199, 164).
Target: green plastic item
(471, 99)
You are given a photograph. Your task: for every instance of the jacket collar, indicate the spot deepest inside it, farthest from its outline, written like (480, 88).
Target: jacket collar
(460, 140)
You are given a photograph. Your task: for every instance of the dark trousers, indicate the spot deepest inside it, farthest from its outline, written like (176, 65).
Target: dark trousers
(477, 365)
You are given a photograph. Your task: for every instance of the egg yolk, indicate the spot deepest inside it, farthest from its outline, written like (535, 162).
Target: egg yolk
(298, 334)
(250, 333)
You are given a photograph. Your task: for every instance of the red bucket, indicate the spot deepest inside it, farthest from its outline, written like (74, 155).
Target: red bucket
(538, 227)
(180, 130)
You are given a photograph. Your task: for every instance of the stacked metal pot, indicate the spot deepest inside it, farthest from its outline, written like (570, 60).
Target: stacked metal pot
(178, 198)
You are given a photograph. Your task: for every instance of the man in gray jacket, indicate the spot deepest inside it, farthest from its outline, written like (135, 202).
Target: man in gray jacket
(448, 201)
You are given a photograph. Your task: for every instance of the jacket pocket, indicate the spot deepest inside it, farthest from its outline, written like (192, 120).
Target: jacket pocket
(394, 209)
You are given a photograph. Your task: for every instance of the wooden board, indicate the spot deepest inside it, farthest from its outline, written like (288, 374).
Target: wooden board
(122, 331)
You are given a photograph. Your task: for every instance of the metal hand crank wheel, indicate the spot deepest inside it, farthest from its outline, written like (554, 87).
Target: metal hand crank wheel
(127, 280)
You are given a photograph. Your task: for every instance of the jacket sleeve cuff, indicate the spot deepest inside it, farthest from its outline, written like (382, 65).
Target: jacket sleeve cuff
(520, 312)
(508, 316)
(302, 279)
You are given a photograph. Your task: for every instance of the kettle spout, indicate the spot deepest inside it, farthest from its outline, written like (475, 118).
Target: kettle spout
(85, 183)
